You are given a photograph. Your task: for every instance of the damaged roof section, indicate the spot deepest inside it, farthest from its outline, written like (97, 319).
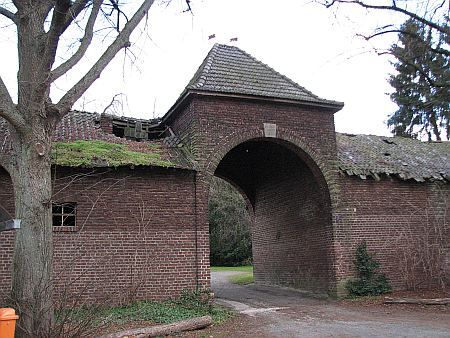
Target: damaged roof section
(88, 140)
(408, 159)
(85, 139)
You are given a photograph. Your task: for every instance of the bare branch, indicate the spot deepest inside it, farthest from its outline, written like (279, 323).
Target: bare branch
(121, 41)
(85, 42)
(113, 102)
(394, 8)
(10, 15)
(8, 110)
(74, 10)
(401, 31)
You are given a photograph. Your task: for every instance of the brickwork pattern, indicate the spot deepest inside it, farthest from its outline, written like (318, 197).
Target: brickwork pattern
(135, 234)
(221, 124)
(381, 212)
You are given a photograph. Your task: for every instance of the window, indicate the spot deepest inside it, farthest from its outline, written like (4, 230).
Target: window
(64, 214)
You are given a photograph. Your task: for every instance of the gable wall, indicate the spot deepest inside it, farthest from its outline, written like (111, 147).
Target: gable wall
(135, 230)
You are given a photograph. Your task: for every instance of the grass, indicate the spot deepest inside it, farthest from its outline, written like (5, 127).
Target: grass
(96, 152)
(246, 268)
(244, 277)
(189, 305)
(164, 312)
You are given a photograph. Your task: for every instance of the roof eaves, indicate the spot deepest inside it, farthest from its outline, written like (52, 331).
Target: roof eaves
(332, 105)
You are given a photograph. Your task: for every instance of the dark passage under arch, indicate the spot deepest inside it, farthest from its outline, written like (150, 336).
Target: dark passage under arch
(291, 231)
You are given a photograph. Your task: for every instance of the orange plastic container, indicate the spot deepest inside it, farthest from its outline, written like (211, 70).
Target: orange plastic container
(8, 319)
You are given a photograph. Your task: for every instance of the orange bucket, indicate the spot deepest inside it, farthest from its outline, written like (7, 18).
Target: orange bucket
(8, 319)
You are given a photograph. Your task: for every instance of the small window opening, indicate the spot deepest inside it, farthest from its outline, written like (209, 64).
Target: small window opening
(64, 214)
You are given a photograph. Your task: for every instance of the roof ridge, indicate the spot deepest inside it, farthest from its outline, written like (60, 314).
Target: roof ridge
(199, 78)
(275, 71)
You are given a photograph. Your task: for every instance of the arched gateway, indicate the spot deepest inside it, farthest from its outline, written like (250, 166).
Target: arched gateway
(130, 204)
(275, 141)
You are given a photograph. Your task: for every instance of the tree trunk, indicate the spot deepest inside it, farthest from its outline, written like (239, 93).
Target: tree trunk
(33, 251)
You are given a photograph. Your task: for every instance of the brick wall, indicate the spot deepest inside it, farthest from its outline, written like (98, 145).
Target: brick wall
(389, 215)
(135, 235)
(292, 228)
(285, 212)
(143, 233)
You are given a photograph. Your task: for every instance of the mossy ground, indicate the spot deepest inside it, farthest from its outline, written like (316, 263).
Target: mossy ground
(83, 153)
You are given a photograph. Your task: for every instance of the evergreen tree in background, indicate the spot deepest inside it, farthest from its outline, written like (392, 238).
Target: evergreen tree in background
(422, 84)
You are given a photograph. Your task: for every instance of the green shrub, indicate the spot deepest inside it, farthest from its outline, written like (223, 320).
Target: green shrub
(369, 281)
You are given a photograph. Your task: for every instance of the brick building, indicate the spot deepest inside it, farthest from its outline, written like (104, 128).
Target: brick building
(130, 196)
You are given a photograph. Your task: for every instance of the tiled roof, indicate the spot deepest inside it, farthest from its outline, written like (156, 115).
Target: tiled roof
(78, 125)
(358, 155)
(228, 69)
(405, 158)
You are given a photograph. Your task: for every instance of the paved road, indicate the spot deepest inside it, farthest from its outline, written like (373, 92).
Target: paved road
(282, 312)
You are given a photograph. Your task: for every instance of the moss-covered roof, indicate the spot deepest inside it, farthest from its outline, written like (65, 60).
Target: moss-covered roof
(405, 158)
(94, 153)
(79, 141)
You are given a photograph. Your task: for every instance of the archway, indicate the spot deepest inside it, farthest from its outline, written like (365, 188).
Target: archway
(292, 224)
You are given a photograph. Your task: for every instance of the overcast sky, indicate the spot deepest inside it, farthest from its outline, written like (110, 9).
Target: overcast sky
(314, 46)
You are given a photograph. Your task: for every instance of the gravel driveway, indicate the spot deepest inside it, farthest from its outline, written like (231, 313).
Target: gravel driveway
(281, 312)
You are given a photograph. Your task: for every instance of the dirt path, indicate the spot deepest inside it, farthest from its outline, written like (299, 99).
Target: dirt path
(281, 312)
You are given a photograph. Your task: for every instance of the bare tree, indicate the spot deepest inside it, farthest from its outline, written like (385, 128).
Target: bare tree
(431, 13)
(29, 125)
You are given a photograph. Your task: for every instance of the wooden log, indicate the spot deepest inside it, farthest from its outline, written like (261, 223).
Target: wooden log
(164, 330)
(420, 301)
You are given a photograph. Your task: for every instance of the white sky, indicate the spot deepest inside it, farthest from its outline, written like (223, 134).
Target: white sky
(300, 39)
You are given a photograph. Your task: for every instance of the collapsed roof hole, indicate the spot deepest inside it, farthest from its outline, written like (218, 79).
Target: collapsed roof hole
(137, 130)
(119, 132)
(387, 154)
(389, 141)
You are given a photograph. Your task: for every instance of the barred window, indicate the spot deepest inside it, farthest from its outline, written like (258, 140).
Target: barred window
(64, 214)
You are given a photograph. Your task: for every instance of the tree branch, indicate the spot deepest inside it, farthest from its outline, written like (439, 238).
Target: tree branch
(74, 10)
(400, 31)
(121, 41)
(85, 42)
(10, 15)
(8, 109)
(393, 8)
(54, 33)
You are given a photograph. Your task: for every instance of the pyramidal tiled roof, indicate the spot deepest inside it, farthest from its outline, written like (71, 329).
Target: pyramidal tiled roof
(228, 69)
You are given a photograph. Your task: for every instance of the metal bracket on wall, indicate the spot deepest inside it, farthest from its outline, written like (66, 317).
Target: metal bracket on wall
(12, 224)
